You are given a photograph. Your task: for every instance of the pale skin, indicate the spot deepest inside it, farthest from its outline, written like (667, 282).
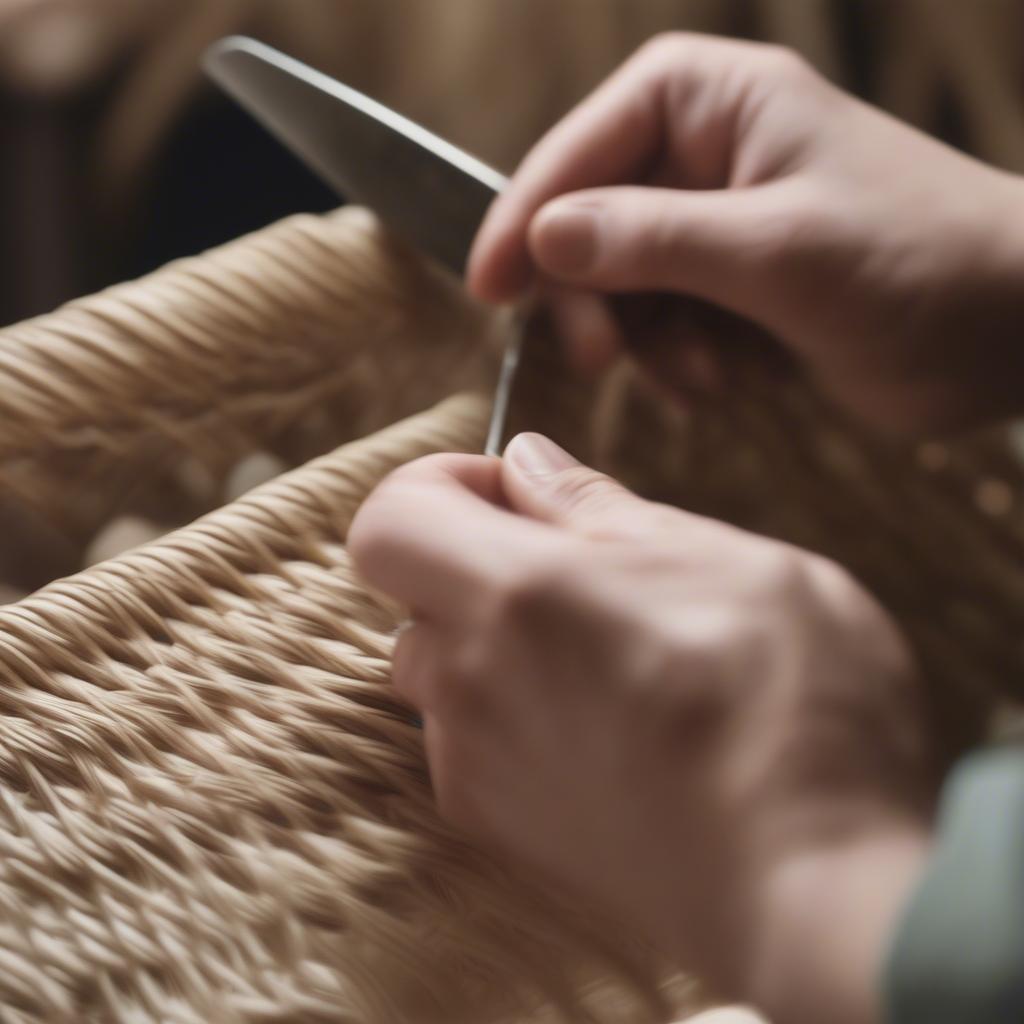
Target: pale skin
(714, 737)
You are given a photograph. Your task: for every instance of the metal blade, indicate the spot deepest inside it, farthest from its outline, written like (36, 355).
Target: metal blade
(427, 191)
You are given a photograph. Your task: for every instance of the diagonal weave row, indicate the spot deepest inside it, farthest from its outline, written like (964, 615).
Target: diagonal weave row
(310, 333)
(210, 808)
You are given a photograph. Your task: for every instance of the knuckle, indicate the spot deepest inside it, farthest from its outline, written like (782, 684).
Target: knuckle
(786, 569)
(664, 47)
(784, 64)
(369, 539)
(667, 49)
(373, 533)
(777, 572)
(588, 493)
(371, 536)
(792, 232)
(532, 591)
(469, 686)
(691, 690)
(413, 472)
(664, 247)
(425, 471)
(466, 671)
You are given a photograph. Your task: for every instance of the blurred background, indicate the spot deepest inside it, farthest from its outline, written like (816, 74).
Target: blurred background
(118, 157)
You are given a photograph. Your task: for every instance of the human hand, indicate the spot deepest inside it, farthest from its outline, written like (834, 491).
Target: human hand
(710, 735)
(733, 174)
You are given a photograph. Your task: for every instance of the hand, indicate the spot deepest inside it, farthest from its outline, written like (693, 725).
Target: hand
(732, 173)
(712, 736)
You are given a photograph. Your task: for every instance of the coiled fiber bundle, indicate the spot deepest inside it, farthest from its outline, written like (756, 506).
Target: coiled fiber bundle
(211, 807)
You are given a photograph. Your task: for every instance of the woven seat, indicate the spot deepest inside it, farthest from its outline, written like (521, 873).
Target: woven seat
(211, 807)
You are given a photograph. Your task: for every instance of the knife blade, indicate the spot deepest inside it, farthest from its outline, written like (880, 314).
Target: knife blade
(424, 189)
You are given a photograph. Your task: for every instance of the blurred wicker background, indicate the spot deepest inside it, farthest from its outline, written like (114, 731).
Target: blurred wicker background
(131, 413)
(118, 157)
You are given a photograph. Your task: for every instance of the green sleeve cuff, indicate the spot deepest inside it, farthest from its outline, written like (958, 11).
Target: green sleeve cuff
(958, 955)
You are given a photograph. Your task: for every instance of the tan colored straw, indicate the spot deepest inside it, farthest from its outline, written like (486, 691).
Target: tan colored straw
(213, 810)
(211, 806)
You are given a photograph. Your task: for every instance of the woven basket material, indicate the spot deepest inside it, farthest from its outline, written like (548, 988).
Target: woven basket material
(211, 808)
(313, 332)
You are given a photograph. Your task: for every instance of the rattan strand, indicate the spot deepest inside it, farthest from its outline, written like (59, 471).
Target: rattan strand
(211, 808)
(313, 332)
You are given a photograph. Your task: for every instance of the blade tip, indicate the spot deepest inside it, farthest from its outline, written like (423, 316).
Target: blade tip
(228, 47)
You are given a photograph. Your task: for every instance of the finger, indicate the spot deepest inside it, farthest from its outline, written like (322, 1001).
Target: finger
(416, 662)
(544, 481)
(709, 245)
(615, 137)
(434, 536)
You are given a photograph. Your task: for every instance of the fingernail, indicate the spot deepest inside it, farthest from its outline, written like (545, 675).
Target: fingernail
(567, 239)
(535, 455)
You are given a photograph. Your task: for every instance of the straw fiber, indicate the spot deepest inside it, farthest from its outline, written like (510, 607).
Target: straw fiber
(211, 807)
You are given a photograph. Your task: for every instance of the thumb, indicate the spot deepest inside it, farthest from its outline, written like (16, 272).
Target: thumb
(629, 239)
(543, 481)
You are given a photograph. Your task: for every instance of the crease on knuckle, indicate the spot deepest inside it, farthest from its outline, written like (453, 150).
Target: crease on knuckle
(588, 492)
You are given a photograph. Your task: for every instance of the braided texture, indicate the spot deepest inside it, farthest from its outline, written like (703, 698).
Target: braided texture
(305, 335)
(211, 808)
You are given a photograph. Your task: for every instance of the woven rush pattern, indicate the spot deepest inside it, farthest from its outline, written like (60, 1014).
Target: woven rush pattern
(308, 334)
(212, 810)
(210, 807)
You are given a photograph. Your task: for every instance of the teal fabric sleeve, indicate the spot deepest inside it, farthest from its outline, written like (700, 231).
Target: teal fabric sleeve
(958, 955)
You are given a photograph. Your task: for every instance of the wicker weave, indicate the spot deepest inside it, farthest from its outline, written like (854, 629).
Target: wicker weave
(313, 332)
(211, 807)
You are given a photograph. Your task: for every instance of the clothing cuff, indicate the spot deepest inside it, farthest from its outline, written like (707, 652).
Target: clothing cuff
(958, 953)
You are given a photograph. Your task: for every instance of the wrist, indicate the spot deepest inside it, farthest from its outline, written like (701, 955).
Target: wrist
(827, 918)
